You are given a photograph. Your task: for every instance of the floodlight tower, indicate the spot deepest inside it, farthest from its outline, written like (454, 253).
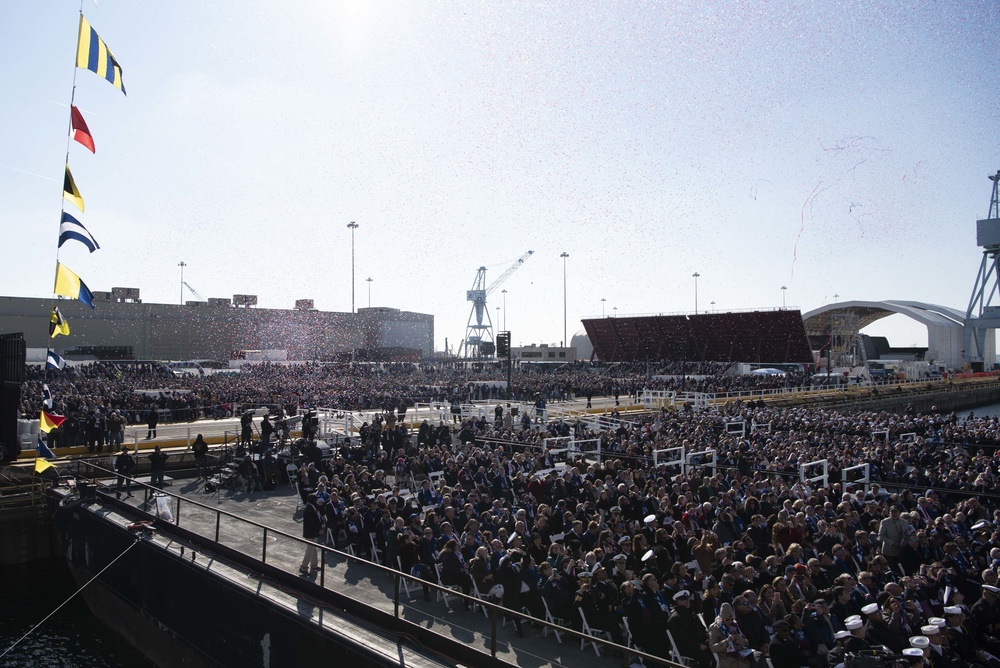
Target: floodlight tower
(479, 336)
(982, 316)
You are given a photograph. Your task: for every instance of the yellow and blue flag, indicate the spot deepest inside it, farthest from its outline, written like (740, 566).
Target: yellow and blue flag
(94, 55)
(69, 285)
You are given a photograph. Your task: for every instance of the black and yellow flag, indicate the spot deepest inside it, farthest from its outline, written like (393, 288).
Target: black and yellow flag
(57, 324)
(71, 192)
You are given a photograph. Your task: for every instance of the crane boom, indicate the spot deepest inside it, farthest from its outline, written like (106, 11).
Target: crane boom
(505, 275)
(479, 333)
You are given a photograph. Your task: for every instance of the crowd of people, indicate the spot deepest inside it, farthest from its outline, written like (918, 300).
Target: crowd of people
(134, 389)
(738, 557)
(743, 554)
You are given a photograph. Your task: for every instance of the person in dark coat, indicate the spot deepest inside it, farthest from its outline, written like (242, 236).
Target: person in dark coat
(151, 421)
(783, 650)
(157, 467)
(313, 530)
(688, 632)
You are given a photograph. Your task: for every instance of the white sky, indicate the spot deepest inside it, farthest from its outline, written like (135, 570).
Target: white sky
(836, 148)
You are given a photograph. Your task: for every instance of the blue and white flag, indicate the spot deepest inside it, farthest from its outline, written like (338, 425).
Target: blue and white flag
(71, 228)
(53, 361)
(43, 450)
(46, 397)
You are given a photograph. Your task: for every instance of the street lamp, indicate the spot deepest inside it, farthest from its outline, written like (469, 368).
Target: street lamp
(369, 279)
(835, 298)
(182, 264)
(565, 339)
(353, 226)
(713, 306)
(615, 309)
(504, 293)
(783, 289)
(602, 306)
(695, 275)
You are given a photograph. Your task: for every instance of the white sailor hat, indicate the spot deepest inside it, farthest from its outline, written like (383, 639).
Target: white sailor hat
(991, 589)
(854, 624)
(914, 652)
(920, 642)
(953, 610)
(852, 618)
(870, 609)
(930, 630)
(648, 555)
(624, 539)
(585, 574)
(683, 593)
(937, 621)
(840, 635)
(648, 519)
(616, 509)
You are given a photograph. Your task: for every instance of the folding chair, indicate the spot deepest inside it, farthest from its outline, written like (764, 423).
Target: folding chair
(376, 553)
(552, 620)
(292, 472)
(593, 633)
(479, 597)
(629, 642)
(675, 653)
(442, 593)
(405, 579)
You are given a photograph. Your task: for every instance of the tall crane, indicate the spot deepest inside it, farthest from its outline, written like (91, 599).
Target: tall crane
(479, 340)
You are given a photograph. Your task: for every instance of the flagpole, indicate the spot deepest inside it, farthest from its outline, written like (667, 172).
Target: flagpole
(62, 200)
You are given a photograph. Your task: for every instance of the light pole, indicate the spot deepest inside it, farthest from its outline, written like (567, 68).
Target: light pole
(602, 306)
(783, 289)
(182, 264)
(564, 256)
(353, 226)
(695, 275)
(713, 306)
(615, 309)
(504, 293)
(369, 279)
(835, 298)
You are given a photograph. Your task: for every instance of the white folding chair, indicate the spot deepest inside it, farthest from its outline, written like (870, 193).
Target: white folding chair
(479, 597)
(405, 579)
(293, 473)
(442, 593)
(675, 652)
(593, 633)
(376, 552)
(551, 620)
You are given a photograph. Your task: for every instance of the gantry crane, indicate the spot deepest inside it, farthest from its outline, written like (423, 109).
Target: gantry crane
(479, 340)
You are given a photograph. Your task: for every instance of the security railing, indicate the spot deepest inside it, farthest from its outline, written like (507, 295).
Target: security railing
(190, 515)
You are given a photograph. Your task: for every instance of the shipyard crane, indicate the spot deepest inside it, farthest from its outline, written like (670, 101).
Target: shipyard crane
(193, 291)
(479, 339)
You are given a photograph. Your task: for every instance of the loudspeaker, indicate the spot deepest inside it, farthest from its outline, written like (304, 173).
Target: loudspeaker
(10, 401)
(12, 356)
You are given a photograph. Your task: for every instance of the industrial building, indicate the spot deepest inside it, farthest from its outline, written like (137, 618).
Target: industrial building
(122, 326)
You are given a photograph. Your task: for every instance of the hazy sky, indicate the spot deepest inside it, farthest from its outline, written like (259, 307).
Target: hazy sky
(835, 148)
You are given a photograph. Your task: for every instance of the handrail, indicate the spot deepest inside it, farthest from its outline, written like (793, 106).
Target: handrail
(495, 609)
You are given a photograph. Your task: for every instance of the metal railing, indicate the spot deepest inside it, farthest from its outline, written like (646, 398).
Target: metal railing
(496, 612)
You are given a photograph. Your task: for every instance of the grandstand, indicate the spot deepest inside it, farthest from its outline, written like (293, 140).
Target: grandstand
(754, 336)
